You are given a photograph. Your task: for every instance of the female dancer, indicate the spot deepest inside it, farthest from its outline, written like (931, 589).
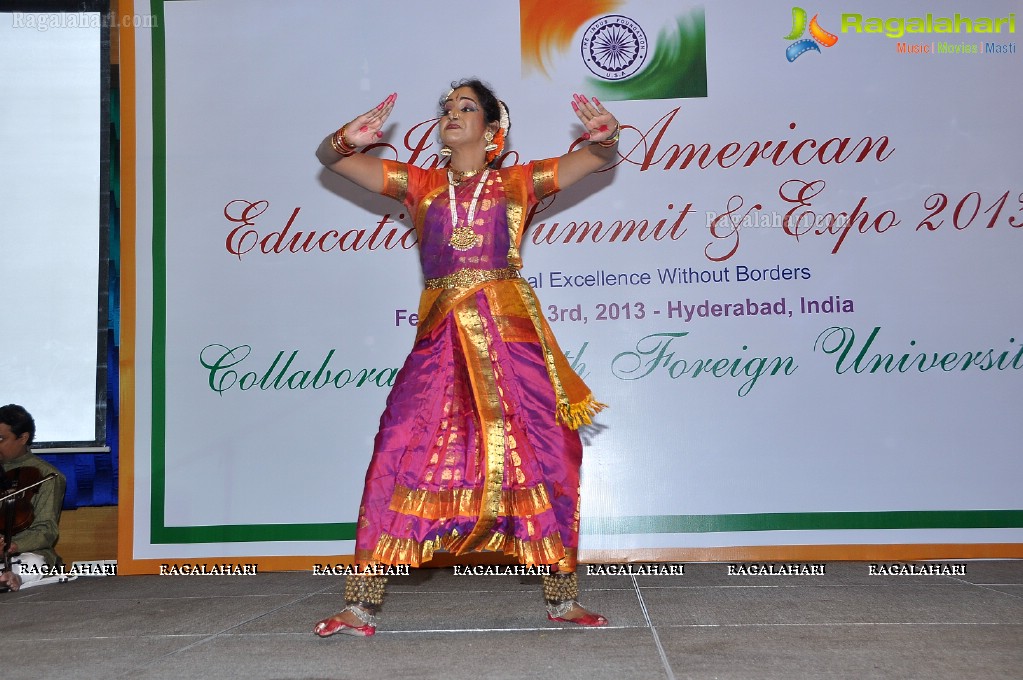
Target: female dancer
(477, 448)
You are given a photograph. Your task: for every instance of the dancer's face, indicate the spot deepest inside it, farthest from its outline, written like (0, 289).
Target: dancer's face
(463, 121)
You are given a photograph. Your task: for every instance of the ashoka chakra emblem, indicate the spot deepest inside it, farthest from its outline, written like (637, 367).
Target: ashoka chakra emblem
(614, 47)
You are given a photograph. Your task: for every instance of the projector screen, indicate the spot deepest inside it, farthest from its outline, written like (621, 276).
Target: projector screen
(51, 185)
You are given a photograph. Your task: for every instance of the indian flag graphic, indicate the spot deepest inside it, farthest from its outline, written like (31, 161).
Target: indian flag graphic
(616, 49)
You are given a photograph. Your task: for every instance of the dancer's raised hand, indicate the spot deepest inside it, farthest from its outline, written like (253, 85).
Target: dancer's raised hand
(366, 129)
(600, 124)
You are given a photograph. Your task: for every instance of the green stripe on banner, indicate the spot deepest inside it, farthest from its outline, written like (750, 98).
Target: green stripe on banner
(804, 521)
(656, 524)
(252, 533)
(159, 359)
(160, 533)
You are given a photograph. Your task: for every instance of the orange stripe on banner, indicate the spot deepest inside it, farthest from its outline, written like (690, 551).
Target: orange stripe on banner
(126, 363)
(811, 553)
(545, 32)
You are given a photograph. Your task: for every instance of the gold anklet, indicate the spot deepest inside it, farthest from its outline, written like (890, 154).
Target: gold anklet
(560, 587)
(365, 590)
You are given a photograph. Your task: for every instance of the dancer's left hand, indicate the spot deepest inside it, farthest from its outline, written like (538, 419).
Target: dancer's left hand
(600, 123)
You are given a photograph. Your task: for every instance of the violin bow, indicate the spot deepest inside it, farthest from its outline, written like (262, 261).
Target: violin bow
(8, 510)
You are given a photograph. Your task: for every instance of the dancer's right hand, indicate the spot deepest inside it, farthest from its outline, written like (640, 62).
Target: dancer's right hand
(366, 129)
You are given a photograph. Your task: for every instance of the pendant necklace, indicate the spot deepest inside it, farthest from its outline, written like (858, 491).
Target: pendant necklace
(464, 238)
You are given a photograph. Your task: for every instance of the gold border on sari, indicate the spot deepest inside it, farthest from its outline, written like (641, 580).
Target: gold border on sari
(568, 414)
(436, 303)
(466, 502)
(391, 550)
(545, 178)
(516, 211)
(419, 219)
(395, 180)
(476, 344)
(468, 277)
(508, 299)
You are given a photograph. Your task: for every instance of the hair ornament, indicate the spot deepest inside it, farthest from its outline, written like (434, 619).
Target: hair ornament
(496, 146)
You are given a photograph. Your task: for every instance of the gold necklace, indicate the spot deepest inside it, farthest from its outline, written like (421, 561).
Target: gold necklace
(464, 238)
(459, 176)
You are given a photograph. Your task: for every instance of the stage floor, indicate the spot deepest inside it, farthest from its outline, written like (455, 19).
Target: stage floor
(707, 623)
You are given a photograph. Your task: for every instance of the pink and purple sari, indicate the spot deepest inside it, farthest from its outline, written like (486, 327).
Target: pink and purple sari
(477, 448)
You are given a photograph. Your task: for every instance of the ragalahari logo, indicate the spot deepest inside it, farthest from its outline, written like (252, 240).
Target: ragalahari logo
(818, 36)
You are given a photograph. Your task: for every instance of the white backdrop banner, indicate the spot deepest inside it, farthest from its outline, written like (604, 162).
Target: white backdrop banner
(797, 287)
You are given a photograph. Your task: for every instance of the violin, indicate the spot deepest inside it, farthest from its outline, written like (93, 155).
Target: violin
(16, 490)
(21, 506)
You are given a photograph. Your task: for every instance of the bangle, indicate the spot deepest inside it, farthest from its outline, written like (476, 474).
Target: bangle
(613, 139)
(340, 144)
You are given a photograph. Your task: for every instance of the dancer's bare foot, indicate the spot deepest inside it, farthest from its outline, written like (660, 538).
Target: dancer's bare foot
(581, 616)
(346, 622)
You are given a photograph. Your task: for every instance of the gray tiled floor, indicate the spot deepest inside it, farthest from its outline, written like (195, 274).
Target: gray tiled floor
(705, 624)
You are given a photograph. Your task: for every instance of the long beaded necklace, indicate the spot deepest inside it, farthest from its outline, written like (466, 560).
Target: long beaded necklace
(465, 237)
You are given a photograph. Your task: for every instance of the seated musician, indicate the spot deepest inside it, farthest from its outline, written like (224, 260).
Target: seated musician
(31, 551)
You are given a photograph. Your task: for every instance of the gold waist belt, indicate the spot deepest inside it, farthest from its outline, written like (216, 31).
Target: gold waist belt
(466, 278)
